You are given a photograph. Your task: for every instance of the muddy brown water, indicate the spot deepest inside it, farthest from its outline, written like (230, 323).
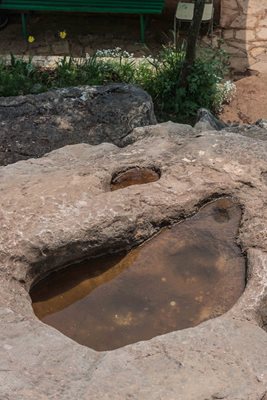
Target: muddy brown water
(134, 176)
(187, 274)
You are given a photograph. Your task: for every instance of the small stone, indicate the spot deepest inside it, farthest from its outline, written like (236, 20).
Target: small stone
(262, 123)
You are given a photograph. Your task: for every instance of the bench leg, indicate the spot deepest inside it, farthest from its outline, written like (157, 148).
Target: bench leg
(142, 28)
(24, 25)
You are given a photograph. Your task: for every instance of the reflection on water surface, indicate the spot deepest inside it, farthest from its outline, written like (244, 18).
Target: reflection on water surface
(134, 176)
(185, 275)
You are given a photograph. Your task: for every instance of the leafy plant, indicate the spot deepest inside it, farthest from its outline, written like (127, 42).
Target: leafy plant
(159, 76)
(178, 103)
(20, 77)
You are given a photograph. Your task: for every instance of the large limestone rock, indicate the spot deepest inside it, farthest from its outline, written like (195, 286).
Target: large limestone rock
(59, 208)
(31, 125)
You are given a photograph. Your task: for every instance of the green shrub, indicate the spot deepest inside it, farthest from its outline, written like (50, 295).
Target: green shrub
(178, 103)
(20, 77)
(158, 76)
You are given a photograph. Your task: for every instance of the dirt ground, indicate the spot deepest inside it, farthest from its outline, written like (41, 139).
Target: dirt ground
(250, 102)
(87, 33)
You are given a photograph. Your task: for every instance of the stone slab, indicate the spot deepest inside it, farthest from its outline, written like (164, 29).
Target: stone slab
(59, 208)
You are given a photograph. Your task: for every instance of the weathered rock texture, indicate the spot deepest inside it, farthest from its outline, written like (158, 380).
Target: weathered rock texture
(244, 24)
(31, 125)
(59, 209)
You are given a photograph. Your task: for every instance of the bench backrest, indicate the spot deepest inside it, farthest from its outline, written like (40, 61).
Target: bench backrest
(98, 6)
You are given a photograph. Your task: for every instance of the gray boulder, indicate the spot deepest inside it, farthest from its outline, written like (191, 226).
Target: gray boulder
(206, 121)
(33, 125)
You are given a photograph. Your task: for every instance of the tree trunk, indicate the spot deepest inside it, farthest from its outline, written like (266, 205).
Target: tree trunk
(192, 42)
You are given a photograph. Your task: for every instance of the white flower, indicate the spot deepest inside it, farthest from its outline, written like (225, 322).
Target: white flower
(224, 94)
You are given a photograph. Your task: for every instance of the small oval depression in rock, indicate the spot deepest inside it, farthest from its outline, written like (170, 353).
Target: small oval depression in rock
(134, 176)
(188, 273)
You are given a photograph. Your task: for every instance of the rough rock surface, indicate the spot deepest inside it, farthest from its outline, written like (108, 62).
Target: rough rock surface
(59, 208)
(33, 125)
(206, 121)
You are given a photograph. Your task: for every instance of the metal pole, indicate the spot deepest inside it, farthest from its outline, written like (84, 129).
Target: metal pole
(24, 25)
(142, 28)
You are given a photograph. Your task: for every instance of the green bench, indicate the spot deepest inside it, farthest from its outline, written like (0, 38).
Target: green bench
(139, 7)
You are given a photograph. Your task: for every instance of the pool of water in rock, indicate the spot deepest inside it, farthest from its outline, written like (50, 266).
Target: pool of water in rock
(187, 274)
(134, 176)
